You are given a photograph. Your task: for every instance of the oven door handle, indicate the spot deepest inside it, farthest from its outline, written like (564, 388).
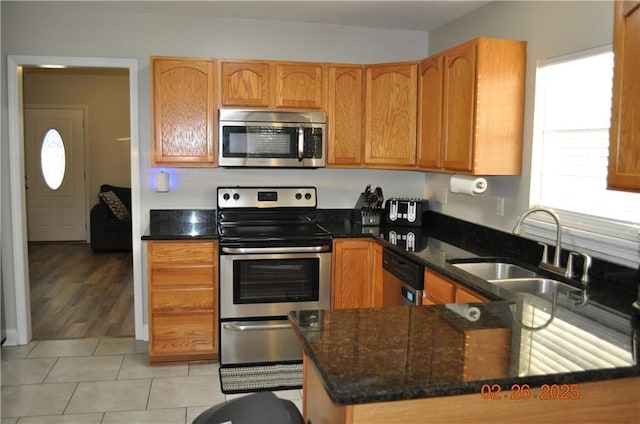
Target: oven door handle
(302, 249)
(253, 327)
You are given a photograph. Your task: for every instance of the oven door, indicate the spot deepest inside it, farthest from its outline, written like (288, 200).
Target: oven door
(271, 282)
(264, 144)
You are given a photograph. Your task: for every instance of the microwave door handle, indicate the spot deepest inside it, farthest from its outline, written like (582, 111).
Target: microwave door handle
(300, 142)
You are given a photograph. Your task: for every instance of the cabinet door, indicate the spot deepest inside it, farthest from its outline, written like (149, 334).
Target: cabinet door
(467, 296)
(437, 289)
(390, 114)
(245, 84)
(353, 265)
(430, 113)
(346, 114)
(459, 106)
(299, 85)
(183, 112)
(624, 143)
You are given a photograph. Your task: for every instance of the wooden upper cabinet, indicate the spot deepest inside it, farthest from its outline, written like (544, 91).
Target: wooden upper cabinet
(458, 107)
(345, 114)
(624, 143)
(265, 84)
(390, 114)
(245, 83)
(183, 101)
(478, 127)
(299, 86)
(430, 91)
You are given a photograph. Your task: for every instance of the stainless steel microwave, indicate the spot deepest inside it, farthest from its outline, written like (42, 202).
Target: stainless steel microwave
(263, 138)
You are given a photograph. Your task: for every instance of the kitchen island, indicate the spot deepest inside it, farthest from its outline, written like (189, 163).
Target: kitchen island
(444, 364)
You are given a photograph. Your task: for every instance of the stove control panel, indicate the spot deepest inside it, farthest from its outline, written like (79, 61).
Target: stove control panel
(266, 197)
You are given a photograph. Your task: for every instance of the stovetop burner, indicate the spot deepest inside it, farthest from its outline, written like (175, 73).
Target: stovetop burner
(274, 214)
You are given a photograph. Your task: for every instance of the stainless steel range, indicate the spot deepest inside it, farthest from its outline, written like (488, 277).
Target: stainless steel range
(274, 258)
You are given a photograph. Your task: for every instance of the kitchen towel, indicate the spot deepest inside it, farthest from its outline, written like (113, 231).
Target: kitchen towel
(466, 184)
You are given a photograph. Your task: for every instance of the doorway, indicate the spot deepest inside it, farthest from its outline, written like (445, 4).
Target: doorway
(18, 229)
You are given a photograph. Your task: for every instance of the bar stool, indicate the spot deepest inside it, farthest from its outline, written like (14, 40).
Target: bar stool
(257, 408)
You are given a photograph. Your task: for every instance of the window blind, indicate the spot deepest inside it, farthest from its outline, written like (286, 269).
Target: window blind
(570, 156)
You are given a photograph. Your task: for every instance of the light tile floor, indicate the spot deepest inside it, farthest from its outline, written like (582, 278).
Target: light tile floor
(105, 381)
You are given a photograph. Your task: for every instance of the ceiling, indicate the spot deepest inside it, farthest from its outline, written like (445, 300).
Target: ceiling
(397, 15)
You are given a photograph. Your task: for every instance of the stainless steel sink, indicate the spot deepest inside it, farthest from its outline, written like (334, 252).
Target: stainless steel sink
(495, 270)
(535, 286)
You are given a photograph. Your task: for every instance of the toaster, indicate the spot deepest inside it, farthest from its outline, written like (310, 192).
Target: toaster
(405, 211)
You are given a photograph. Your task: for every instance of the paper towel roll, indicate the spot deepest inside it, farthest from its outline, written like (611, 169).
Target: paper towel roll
(472, 313)
(466, 184)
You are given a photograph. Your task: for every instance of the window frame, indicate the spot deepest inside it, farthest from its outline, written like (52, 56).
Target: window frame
(609, 239)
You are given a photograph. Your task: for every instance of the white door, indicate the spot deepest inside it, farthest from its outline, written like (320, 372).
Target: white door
(54, 156)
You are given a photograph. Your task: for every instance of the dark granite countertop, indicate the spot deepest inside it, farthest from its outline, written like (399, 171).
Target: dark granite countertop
(440, 241)
(378, 354)
(409, 352)
(182, 224)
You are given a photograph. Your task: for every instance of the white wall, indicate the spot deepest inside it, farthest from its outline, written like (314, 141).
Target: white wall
(102, 34)
(551, 28)
(27, 29)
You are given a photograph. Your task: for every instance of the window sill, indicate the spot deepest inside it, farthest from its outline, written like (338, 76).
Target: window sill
(614, 243)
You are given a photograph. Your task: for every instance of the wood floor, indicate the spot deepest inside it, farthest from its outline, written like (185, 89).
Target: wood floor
(77, 293)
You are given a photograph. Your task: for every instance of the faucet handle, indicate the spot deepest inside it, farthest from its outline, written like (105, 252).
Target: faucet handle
(569, 272)
(586, 265)
(545, 254)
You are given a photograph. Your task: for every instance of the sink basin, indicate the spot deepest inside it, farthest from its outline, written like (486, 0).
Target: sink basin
(495, 270)
(535, 286)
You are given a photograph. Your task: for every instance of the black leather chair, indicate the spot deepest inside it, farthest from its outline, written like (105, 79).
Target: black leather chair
(108, 232)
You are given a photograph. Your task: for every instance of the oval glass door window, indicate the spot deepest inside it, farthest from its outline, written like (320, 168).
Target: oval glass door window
(53, 159)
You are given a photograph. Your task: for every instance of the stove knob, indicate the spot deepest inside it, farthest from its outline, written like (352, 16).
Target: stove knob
(236, 196)
(225, 196)
(298, 196)
(307, 196)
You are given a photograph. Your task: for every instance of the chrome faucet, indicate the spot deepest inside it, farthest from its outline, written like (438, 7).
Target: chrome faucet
(551, 212)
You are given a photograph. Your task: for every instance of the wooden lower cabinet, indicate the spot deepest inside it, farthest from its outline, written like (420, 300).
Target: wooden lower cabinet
(439, 290)
(183, 298)
(601, 401)
(356, 273)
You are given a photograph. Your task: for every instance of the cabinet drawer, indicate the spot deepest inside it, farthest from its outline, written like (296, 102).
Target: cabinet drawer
(182, 252)
(467, 296)
(439, 289)
(176, 299)
(186, 275)
(174, 333)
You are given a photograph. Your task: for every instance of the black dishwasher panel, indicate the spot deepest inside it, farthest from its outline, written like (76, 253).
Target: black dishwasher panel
(405, 270)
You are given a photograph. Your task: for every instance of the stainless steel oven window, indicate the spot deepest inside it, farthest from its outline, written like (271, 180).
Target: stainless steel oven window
(276, 280)
(262, 285)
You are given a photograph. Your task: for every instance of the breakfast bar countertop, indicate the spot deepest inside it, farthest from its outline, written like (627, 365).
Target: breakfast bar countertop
(395, 353)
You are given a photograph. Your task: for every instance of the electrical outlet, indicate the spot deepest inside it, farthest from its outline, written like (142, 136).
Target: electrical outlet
(445, 195)
(500, 206)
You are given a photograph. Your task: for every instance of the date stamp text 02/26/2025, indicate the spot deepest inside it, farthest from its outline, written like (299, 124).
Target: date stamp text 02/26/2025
(523, 392)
